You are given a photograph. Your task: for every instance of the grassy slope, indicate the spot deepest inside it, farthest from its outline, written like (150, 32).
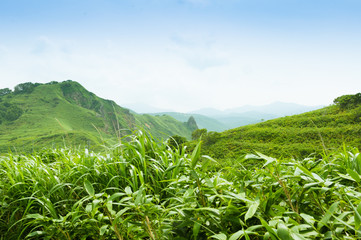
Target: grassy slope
(53, 112)
(297, 135)
(163, 126)
(202, 121)
(47, 117)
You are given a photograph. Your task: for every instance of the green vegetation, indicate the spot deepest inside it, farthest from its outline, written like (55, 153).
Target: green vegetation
(146, 190)
(209, 123)
(348, 101)
(9, 112)
(197, 134)
(318, 131)
(36, 115)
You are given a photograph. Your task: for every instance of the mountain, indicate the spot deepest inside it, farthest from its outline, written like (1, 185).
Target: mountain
(317, 131)
(144, 108)
(202, 121)
(36, 115)
(241, 116)
(233, 120)
(276, 108)
(209, 112)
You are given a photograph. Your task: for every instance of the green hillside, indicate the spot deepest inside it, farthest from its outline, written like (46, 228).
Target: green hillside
(37, 115)
(299, 135)
(209, 123)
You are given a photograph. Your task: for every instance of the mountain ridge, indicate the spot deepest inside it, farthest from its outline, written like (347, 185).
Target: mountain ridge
(220, 120)
(300, 135)
(56, 111)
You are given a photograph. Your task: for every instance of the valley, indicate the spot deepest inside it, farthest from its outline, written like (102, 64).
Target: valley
(74, 165)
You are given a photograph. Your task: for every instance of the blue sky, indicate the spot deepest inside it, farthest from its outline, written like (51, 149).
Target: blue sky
(186, 54)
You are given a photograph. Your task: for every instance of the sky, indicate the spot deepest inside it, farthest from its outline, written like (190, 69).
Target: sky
(184, 55)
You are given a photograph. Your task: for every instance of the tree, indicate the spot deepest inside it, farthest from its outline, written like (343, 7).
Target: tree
(211, 138)
(196, 134)
(9, 112)
(27, 87)
(176, 141)
(4, 91)
(13, 113)
(348, 101)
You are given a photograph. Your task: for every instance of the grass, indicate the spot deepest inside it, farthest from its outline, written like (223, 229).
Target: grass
(142, 189)
(293, 136)
(55, 111)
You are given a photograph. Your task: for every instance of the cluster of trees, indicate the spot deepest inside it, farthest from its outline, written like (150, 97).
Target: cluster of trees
(5, 91)
(208, 138)
(348, 101)
(9, 112)
(27, 87)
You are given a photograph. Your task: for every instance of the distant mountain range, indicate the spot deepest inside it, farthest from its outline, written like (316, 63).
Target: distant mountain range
(320, 131)
(144, 108)
(275, 109)
(218, 120)
(202, 121)
(241, 116)
(36, 115)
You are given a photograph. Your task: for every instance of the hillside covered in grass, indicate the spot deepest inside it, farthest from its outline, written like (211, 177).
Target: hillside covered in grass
(210, 124)
(37, 115)
(146, 190)
(299, 135)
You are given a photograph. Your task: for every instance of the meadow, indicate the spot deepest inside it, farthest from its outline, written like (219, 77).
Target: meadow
(298, 136)
(143, 189)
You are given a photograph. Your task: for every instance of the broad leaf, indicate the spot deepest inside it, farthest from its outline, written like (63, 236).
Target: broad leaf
(252, 210)
(89, 188)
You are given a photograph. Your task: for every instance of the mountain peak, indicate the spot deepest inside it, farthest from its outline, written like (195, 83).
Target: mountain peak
(35, 115)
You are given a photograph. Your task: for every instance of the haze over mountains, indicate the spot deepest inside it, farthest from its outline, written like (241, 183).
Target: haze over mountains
(220, 120)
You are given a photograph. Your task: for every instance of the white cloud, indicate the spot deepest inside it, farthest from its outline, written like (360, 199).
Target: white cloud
(188, 73)
(199, 52)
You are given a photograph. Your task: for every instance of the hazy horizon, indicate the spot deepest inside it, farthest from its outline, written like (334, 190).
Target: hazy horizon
(186, 54)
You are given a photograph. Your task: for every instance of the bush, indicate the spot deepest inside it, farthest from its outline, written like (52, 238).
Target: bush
(4, 91)
(9, 112)
(176, 141)
(348, 101)
(27, 87)
(198, 133)
(145, 190)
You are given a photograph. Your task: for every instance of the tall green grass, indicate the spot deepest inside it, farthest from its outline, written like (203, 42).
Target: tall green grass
(141, 189)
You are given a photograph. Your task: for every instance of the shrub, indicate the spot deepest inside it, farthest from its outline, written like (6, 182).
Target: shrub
(348, 101)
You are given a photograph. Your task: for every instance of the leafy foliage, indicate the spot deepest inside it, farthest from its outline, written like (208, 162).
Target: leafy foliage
(27, 87)
(176, 141)
(145, 190)
(198, 133)
(9, 112)
(5, 91)
(348, 101)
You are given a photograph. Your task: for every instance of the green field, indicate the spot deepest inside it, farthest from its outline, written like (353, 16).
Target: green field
(146, 190)
(318, 131)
